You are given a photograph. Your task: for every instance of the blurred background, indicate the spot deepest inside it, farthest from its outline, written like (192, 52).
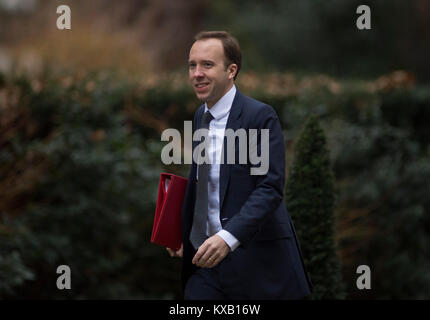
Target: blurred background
(82, 111)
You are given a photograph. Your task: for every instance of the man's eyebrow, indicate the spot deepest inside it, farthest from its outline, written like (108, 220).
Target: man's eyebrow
(203, 61)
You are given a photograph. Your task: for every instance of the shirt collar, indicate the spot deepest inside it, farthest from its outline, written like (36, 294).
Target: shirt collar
(223, 105)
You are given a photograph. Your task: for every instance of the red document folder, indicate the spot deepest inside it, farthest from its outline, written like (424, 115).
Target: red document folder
(166, 230)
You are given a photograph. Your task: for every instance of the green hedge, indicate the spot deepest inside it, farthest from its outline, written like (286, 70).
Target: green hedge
(311, 200)
(80, 160)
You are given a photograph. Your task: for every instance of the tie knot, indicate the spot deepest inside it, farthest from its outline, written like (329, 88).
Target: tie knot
(207, 117)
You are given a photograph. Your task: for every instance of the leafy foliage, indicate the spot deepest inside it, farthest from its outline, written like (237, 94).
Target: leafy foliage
(80, 159)
(92, 206)
(310, 200)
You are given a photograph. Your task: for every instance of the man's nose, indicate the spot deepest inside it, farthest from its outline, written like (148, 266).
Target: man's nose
(198, 73)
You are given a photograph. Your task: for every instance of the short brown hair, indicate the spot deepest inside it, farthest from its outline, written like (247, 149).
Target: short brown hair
(230, 44)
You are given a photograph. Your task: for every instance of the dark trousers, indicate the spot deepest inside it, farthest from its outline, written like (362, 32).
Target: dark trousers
(218, 283)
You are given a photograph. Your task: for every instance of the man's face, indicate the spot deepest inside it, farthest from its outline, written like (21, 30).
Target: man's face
(207, 71)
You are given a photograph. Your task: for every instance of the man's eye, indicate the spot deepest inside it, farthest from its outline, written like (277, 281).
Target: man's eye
(191, 65)
(208, 65)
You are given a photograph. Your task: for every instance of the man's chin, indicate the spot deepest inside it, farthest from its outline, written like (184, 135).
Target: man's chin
(202, 97)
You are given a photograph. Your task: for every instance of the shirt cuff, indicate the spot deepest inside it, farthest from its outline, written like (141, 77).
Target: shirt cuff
(231, 241)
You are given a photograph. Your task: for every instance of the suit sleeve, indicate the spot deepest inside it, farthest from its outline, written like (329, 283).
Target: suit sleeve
(268, 192)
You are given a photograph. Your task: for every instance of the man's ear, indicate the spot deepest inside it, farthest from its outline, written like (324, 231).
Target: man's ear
(232, 70)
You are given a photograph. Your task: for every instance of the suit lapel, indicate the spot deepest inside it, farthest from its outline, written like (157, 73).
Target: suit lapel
(233, 123)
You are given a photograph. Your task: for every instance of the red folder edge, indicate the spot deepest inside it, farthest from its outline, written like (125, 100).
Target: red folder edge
(166, 230)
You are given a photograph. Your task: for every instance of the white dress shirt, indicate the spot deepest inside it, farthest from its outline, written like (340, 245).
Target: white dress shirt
(220, 111)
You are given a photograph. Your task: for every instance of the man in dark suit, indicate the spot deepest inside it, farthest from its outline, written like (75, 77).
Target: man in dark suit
(238, 238)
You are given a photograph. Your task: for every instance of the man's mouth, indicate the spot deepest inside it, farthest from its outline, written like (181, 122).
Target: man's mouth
(201, 85)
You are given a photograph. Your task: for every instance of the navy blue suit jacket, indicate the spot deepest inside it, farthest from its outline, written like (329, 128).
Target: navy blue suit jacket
(268, 262)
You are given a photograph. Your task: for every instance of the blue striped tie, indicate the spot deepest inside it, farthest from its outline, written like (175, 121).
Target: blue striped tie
(198, 230)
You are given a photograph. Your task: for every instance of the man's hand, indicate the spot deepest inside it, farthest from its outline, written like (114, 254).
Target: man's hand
(174, 253)
(211, 252)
